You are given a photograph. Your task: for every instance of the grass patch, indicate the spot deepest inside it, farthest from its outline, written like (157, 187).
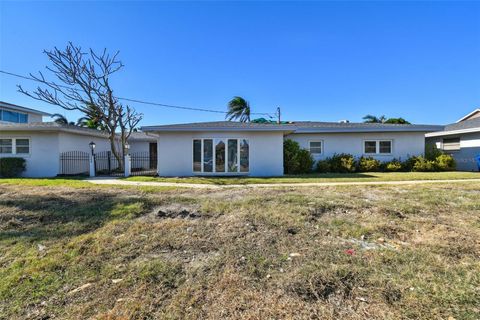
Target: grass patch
(322, 177)
(348, 252)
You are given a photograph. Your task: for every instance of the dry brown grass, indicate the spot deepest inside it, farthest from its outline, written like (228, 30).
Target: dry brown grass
(120, 253)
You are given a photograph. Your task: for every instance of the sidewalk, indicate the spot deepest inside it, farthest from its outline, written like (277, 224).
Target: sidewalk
(117, 181)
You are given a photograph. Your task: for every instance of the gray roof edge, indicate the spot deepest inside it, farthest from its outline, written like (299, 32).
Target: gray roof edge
(413, 128)
(295, 129)
(216, 129)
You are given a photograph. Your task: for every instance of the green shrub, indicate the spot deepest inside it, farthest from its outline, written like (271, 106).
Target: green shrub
(445, 162)
(323, 166)
(432, 152)
(342, 163)
(368, 164)
(11, 167)
(408, 164)
(295, 159)
(423, 165)
(392, 166)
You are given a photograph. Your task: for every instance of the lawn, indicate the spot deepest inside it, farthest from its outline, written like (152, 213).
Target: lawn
(321, 177)
(71, 250)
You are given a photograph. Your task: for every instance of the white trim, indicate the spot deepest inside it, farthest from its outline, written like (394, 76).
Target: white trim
(469, 115)
(377, 147)
(446, 133)
(14, 146)
(321, 147)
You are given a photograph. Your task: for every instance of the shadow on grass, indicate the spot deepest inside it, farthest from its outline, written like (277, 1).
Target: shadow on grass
(43, 217)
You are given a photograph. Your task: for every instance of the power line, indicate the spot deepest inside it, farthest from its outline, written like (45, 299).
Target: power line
(134, 100)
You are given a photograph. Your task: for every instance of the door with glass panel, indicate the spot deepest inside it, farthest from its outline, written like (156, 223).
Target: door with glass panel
(221, 155)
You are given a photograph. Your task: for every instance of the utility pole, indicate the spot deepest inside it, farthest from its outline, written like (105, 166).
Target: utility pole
(278, 115)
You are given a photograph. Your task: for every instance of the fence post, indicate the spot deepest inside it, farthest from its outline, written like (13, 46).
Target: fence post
(128, 165)
(92, 165)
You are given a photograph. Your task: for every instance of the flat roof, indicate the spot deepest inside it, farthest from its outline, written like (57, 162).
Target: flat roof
(24, 109)
(293, 126)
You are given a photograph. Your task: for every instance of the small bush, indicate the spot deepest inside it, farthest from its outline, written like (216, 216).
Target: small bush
(445, 162)
(408, 164)
(342, 163)
(423, 165)
(392, 166)
(432, 152)
(323, 166)
(368, 164)
(295, 159)
(11, 167)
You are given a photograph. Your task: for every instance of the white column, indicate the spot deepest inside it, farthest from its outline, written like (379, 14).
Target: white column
(92, 166)
(128, 165)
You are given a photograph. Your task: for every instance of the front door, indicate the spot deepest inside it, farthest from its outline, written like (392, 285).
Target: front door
(153, 155)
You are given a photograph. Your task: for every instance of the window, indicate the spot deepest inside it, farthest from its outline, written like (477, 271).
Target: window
(11, 116)
(208, 155)
(315, 147)
(15, 146)
(244, 154)
(221, 155)
(370, 147)
(451, 144)
(197, 155)
(377, 147)
(385, 147)
(6, 146)
(22, 146)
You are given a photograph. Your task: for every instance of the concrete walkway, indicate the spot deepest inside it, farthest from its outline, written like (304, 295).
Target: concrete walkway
(117, 181)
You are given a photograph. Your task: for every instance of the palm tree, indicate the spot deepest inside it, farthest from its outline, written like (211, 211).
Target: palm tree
(238, 108)
(397, 121)
(373, 119)
(61, 119)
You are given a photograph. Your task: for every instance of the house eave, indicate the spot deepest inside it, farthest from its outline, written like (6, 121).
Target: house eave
(452, 132)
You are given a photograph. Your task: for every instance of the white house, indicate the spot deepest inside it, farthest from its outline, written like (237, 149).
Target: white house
(50, 148)
(256, 149)
(461, 140)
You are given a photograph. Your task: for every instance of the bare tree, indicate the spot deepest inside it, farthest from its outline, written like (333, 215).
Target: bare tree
(85, 87)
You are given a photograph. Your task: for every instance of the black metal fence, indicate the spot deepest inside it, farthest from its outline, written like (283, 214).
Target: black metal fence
(143, 164)
(106, 164)
(73, 163)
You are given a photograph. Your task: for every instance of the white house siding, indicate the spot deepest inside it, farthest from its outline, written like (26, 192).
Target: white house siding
(175, 152)
(46, 147)
(43, 159)
(77, 142)
(469, 150)
(139, 146)
(404, 144)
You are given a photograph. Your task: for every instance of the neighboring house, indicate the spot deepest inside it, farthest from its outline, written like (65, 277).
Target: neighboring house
(256, 149)
(11, 113)
(43, 144)
(461, 140)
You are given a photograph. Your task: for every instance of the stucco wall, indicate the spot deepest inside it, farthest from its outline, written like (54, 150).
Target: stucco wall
(469, 149)
(175, 152)
(76, 142)
(43, 160)
(404, 144)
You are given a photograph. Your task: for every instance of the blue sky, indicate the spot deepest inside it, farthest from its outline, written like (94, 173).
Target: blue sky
(321, 61)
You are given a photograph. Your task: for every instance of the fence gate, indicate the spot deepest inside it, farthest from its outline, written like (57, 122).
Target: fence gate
(73, 163)
(143, 164)
(106, 164)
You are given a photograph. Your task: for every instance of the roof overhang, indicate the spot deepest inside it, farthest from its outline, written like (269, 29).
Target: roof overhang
(29, 128)
(452, 132)
(15, 107)
(159, 129)
(366, 130)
